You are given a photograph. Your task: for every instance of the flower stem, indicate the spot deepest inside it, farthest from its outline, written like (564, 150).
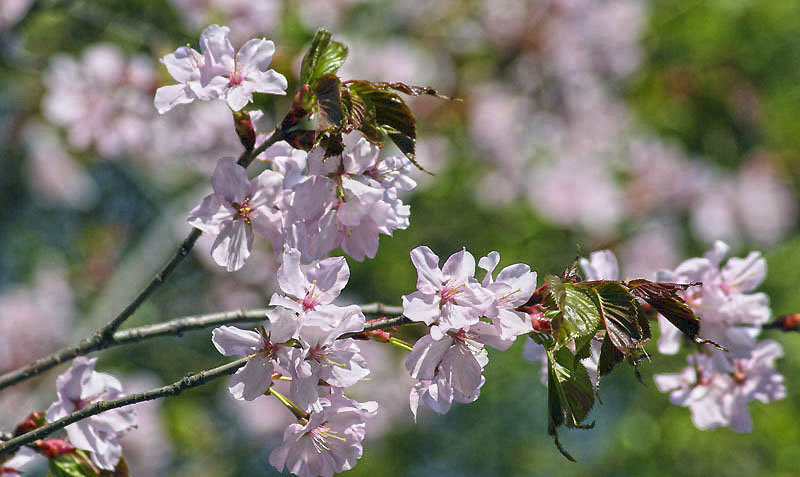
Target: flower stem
(298, 413)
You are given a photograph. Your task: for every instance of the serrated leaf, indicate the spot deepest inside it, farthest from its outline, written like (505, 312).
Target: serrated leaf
(324, 57)
(570, 393)
(620, 315)
(663, 297)
(579, 317)
(410, 90)
(609, 357)
(327, 90)
(385, 113)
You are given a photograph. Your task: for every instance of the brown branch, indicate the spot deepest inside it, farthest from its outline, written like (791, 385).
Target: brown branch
(103, 337)
(165, 391)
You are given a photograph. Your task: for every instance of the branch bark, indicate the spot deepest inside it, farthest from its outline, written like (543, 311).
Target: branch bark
(105, 335)
(174, 389)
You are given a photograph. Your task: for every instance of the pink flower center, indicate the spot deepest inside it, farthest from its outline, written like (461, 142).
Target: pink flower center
(448, 294)
(312, 298)
(320, 436)
(243, 210)
(236, 77)
(82, 403)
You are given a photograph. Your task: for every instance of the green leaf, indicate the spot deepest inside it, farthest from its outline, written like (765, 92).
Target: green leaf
(609, 357)
(570, 393)
(579, 317)
(385, 113)
(324, 57)
(70, 465)
(620, 315)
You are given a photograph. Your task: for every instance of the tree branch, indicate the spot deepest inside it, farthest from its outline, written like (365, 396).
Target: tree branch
(178, 387)
(174, 389)
(105, 335)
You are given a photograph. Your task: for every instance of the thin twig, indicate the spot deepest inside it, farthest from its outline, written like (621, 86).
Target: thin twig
(174, 389)
(105, 335)
(166, 391)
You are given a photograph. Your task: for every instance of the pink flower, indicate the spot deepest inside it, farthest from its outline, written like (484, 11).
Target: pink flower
(348, 201)
(448, 298)
(234, 77)
(729, 315)
(309, 287)
(329, 442)
(235, 209)
(323, 356)
(254, 378)
(219, 72)
(450, 368)
(602, 265)
(515, 284)
(719, 399)
(13, 466)
(79, 387)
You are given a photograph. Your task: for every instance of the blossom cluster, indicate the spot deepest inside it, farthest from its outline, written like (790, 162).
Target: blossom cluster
(448, 363)
(717, 384)
(77, 388)
(307, 202)
(304, 343)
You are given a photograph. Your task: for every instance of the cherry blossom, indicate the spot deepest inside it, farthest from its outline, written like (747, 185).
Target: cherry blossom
(323, 356)
(729, 315)
(217, 72)
(719, 399)
(448, 298)
(236, 208)
(13, 466)
(81, 386)
(254, 378)
(515, 284)
(450, 368)
(347, 202)
(601, 265)
(312, 286)
(326, 443)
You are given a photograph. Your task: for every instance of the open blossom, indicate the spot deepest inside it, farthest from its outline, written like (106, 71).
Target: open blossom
(311, 287)
(324, 357)
(236, 208)
(515, 284)
(719, 399)
(217, 72)
(254, 378)
(729, 315)
(601, 265)
(348, 201)
(13, 466)
(329, 442)
(81, 386)
(450, 368)
(448, 298)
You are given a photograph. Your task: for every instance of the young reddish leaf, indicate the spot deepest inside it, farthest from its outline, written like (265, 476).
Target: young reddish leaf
(409, 89)
(663, 297)
(620, 315)
(385, 113)
(330, 103)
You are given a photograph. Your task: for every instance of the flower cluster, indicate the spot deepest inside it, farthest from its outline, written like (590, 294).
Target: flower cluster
(307, 202)
(81, 386)
(448, 363)
(717, 385)
(304, 343)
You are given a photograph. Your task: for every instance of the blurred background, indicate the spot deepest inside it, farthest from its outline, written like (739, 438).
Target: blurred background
(648, 127)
